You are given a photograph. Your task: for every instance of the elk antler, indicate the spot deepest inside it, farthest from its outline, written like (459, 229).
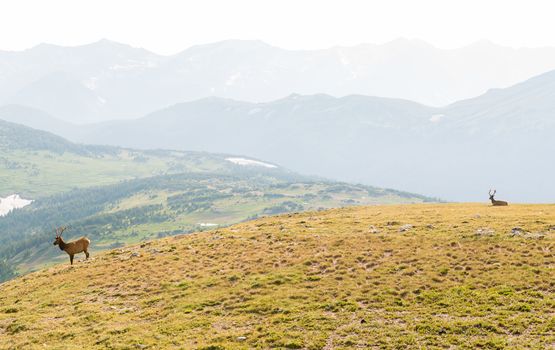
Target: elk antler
(61, 230)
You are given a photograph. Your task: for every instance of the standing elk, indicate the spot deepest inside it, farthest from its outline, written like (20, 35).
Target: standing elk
(496, 202)
(71, 248)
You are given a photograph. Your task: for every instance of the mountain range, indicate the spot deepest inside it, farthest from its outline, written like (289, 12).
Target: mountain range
(501, 139)
(107, 80)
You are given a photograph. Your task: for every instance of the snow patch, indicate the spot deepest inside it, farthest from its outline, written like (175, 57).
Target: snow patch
(244, 161)
(207, 224)
(12, 202)
(436, 118)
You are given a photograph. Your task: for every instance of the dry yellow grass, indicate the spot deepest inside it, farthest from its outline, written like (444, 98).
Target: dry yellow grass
(460, 277)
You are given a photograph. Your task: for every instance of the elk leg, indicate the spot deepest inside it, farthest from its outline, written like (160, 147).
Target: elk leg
(71, 259)
(86, 254)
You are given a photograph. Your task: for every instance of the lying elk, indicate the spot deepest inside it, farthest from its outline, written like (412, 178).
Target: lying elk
(79, 246)
(496, 202)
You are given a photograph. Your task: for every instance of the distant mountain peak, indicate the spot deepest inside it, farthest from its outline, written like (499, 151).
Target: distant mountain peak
(105, 43)
(102, 44)
(44, 46)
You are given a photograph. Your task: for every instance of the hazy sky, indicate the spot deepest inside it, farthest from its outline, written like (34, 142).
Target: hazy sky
(167, 27)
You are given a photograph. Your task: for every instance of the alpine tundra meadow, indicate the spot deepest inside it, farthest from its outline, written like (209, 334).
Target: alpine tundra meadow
(277, 174)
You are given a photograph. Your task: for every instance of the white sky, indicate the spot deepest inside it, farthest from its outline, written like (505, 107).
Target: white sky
(166, 26)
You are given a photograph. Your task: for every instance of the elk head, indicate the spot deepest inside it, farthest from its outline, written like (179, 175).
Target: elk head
(59, 232)
(492, 194)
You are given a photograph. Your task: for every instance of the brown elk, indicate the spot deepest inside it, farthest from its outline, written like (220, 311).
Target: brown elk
(71, 248)
(496, 202)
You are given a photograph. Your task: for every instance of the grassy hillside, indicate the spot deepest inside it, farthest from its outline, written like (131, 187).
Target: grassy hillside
(35, 163)
(40, 173)
(132, 211)
(416, 276)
